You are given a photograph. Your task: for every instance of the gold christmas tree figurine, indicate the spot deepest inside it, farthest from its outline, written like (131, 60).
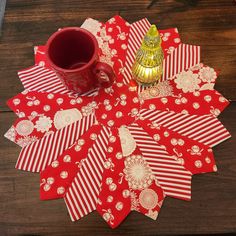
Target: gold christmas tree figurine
(147, 68)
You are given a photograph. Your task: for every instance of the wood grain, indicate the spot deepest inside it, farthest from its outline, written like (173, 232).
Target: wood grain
(211, 24)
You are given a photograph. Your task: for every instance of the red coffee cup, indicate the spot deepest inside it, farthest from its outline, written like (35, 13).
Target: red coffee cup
(73, 54)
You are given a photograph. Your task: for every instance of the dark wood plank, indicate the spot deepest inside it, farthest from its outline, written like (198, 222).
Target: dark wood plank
(212, 209)
(2, 11)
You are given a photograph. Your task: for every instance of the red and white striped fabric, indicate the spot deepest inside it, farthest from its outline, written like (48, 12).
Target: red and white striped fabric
(42, 79)
(172, 176)
(81, 197)
(38, 78)
(182, 58)
(205, 129)
(39, 154)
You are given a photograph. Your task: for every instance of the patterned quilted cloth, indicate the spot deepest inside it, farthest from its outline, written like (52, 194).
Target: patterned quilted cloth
(127, 147)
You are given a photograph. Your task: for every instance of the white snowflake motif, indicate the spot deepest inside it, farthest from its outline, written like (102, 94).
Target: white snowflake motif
(43, 124)
(187, 81)
(137, 172)
(207, 74)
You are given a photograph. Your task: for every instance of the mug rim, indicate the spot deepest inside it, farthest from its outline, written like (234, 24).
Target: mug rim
(60, 31)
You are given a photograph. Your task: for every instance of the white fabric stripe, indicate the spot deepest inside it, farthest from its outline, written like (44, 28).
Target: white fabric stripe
(217, 134)
(170, 180)
(206, 131)
(61, 145)
(78, 196)
(95, 151)
(47, 84)
(35, 71)
(88, 187)
(157, 159)
(94, 175)
(173, 184)
(177, 195)
(89, 177)
(192, 126)
(68, 204)
(170, 174)
(26, 159)
(42, 164)
(153, 151)
(42, 79)
(198, 120)
(28, 81)
(214, 142)
(188, 192)
(49, 147)
(57, 145)
(158, 164)
(29, 71)
(96, 170)
(71, 191)
(37, 156)
(171, 160)
(83, 192)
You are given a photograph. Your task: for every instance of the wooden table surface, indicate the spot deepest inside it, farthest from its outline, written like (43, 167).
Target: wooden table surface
(211, 24)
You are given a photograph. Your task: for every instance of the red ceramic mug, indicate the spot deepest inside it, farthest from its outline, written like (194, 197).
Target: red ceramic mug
(73, 54)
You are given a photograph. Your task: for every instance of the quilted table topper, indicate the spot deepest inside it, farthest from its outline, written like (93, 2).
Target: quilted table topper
(123, 148)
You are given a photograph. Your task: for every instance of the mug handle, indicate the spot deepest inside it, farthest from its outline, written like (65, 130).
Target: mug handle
(104, 74)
